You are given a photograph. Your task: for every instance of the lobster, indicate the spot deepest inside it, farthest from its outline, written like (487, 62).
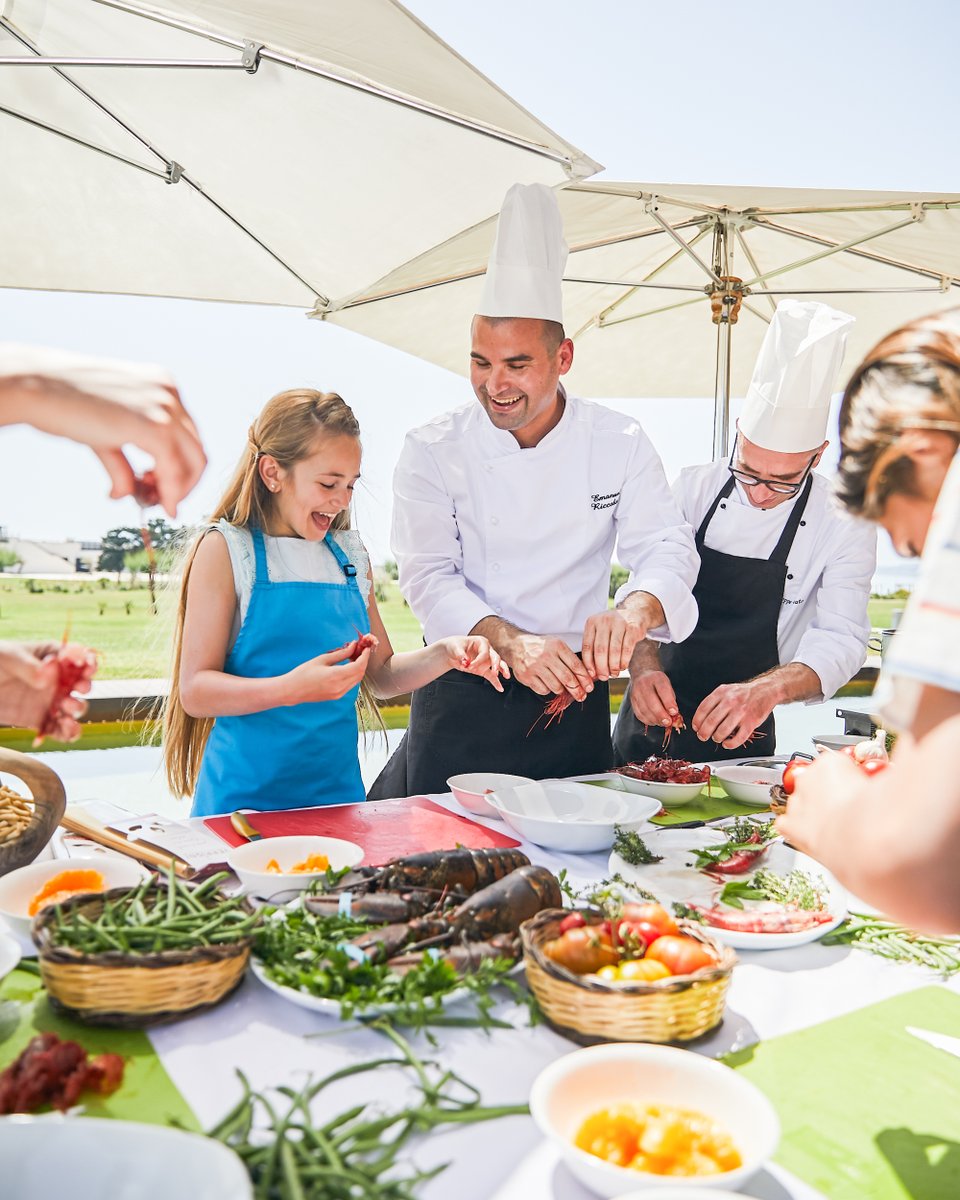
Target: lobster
(500, 908)
(408, 887)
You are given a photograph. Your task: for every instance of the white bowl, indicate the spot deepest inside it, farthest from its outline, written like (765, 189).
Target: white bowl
(249, 862)
(92, 1158)
(837, 741)
(570, 816)
(573, 1087)
(684, 1193)
(19, 887)
(749, 785)
(472, 789)
(669, 794)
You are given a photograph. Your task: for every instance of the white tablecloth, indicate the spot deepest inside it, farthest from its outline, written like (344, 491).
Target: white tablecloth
(275, 1042)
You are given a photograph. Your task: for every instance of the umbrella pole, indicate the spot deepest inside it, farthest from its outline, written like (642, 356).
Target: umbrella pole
(721, 392)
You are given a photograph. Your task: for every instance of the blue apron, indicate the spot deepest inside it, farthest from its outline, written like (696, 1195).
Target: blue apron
(304, 754)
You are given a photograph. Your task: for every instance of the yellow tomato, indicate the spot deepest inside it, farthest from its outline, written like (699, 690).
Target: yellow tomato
(610, 973)
(642, 970)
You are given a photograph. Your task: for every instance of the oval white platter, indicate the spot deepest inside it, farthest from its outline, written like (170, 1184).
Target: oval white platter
(675, 879)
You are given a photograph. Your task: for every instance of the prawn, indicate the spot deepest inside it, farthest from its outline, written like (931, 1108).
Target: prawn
(766, 920)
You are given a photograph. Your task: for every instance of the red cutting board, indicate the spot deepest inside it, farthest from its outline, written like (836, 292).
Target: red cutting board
(385, 829)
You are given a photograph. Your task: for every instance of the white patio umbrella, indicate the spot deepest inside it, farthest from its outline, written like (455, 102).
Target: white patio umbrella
(651, 264)
(283, 152)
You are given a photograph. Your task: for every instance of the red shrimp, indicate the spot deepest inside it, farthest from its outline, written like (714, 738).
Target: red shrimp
(366, 641)
(554, 709)
(773, 920)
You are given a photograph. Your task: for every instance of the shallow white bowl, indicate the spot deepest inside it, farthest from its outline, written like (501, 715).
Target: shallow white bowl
(562, 815)
(749, 785)
(573, 1087)
(90, 1159)
(837, 741)
(248, 862)
(669, 794)
(19, 887)
(472, 789)
(684, 1193)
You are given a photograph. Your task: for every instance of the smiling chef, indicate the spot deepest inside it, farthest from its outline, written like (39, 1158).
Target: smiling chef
(784, 575)
(506, 513)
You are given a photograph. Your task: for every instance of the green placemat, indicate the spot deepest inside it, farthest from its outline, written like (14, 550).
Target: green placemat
(147, 1092)
(704, 808)
(868, 1111)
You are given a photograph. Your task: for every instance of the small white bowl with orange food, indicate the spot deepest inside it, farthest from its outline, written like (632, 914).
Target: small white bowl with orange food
(24, 892)
(674, 1116)
(270, 867)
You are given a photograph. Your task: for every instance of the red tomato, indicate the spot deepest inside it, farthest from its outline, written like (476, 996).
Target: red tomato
(873, 766)
(653, 914)
(581, 951)
(572, 921)
(681, 955)
(641, 932)
(792, 772)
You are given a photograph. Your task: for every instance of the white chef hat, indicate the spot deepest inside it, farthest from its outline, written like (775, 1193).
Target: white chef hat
(788, 400)
(525, 271)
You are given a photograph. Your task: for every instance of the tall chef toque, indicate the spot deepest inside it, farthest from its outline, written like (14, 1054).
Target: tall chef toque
(525, 271)
(788, 400)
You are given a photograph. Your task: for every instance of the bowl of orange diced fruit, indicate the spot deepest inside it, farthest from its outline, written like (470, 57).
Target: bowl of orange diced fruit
(271, 866)
(28, 890)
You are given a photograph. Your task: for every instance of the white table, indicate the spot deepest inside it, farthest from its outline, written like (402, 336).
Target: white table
(772, 992)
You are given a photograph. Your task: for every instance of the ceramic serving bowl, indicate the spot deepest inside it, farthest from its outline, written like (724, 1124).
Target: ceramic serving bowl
(562, 815)
(577, 1085)
(669, 794)
(19, 887)
(749, 785)
(473, 789)
(121, 1159)
(249, 862)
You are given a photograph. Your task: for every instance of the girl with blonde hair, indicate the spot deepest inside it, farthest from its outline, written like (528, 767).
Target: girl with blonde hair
(269, 654)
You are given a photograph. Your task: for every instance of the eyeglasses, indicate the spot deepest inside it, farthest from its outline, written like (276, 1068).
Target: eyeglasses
(774, 485)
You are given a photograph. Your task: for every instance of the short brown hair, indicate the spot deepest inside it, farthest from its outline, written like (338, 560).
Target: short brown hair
(910, 380)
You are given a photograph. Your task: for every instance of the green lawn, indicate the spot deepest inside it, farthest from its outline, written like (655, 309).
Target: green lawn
(134, 643)
(118, 621)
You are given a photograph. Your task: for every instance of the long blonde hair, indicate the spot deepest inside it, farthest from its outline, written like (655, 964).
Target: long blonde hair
(287, 429)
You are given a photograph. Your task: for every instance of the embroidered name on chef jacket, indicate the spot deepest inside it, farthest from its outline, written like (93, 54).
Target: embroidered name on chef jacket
(607, 501)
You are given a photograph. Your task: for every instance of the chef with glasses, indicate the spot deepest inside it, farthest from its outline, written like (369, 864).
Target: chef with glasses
(785, 574)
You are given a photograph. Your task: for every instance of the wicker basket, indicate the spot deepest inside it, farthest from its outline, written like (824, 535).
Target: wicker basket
(134, 990)
(589, 1011)
(49, 802)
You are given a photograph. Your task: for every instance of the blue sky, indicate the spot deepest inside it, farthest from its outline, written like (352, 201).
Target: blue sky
(858, 94)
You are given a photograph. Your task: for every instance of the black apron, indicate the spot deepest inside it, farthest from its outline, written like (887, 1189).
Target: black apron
(735, 639)
(460, 723)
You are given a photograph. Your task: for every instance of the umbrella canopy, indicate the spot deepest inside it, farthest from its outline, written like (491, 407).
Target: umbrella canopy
(646, 273)
(289, 152)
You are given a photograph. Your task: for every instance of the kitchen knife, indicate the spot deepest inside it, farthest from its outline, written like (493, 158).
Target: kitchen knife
(244, 828)
(940, 1041)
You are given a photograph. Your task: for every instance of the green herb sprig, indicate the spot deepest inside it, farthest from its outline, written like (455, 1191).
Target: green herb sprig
(796, 890)
(890, 940)
(632, 848)
(360, 1152)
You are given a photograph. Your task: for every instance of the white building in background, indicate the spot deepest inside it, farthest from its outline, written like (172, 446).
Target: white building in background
(50, 558)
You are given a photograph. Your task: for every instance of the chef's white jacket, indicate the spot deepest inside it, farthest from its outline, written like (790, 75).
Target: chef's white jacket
(823, 617)
(482, 527)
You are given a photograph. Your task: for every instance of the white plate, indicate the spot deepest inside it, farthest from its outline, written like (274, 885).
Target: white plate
(675, 879)
(331, 1007)
(9, 954)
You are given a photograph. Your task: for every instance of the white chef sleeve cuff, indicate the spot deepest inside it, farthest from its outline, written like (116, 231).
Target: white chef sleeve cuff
(679, 606)
(454, 615)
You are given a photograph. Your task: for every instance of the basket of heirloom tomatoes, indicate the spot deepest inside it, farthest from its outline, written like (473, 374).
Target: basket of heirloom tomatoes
(636, 976)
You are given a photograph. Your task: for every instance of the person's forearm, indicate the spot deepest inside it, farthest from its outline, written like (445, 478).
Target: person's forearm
(498, 632)
(217, 694)
(645, 657)
(407, 671)
(791, 682)
(643, 607)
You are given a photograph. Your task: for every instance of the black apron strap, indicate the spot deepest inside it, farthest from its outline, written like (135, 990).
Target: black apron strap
(721, 495)
(785, 544)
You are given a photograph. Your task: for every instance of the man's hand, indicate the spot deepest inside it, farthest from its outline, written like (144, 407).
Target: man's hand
(546, 665)
(609, 638)
(106, 404)
(731, 712)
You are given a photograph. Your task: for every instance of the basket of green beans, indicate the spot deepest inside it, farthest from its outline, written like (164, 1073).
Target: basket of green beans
(140, 956)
